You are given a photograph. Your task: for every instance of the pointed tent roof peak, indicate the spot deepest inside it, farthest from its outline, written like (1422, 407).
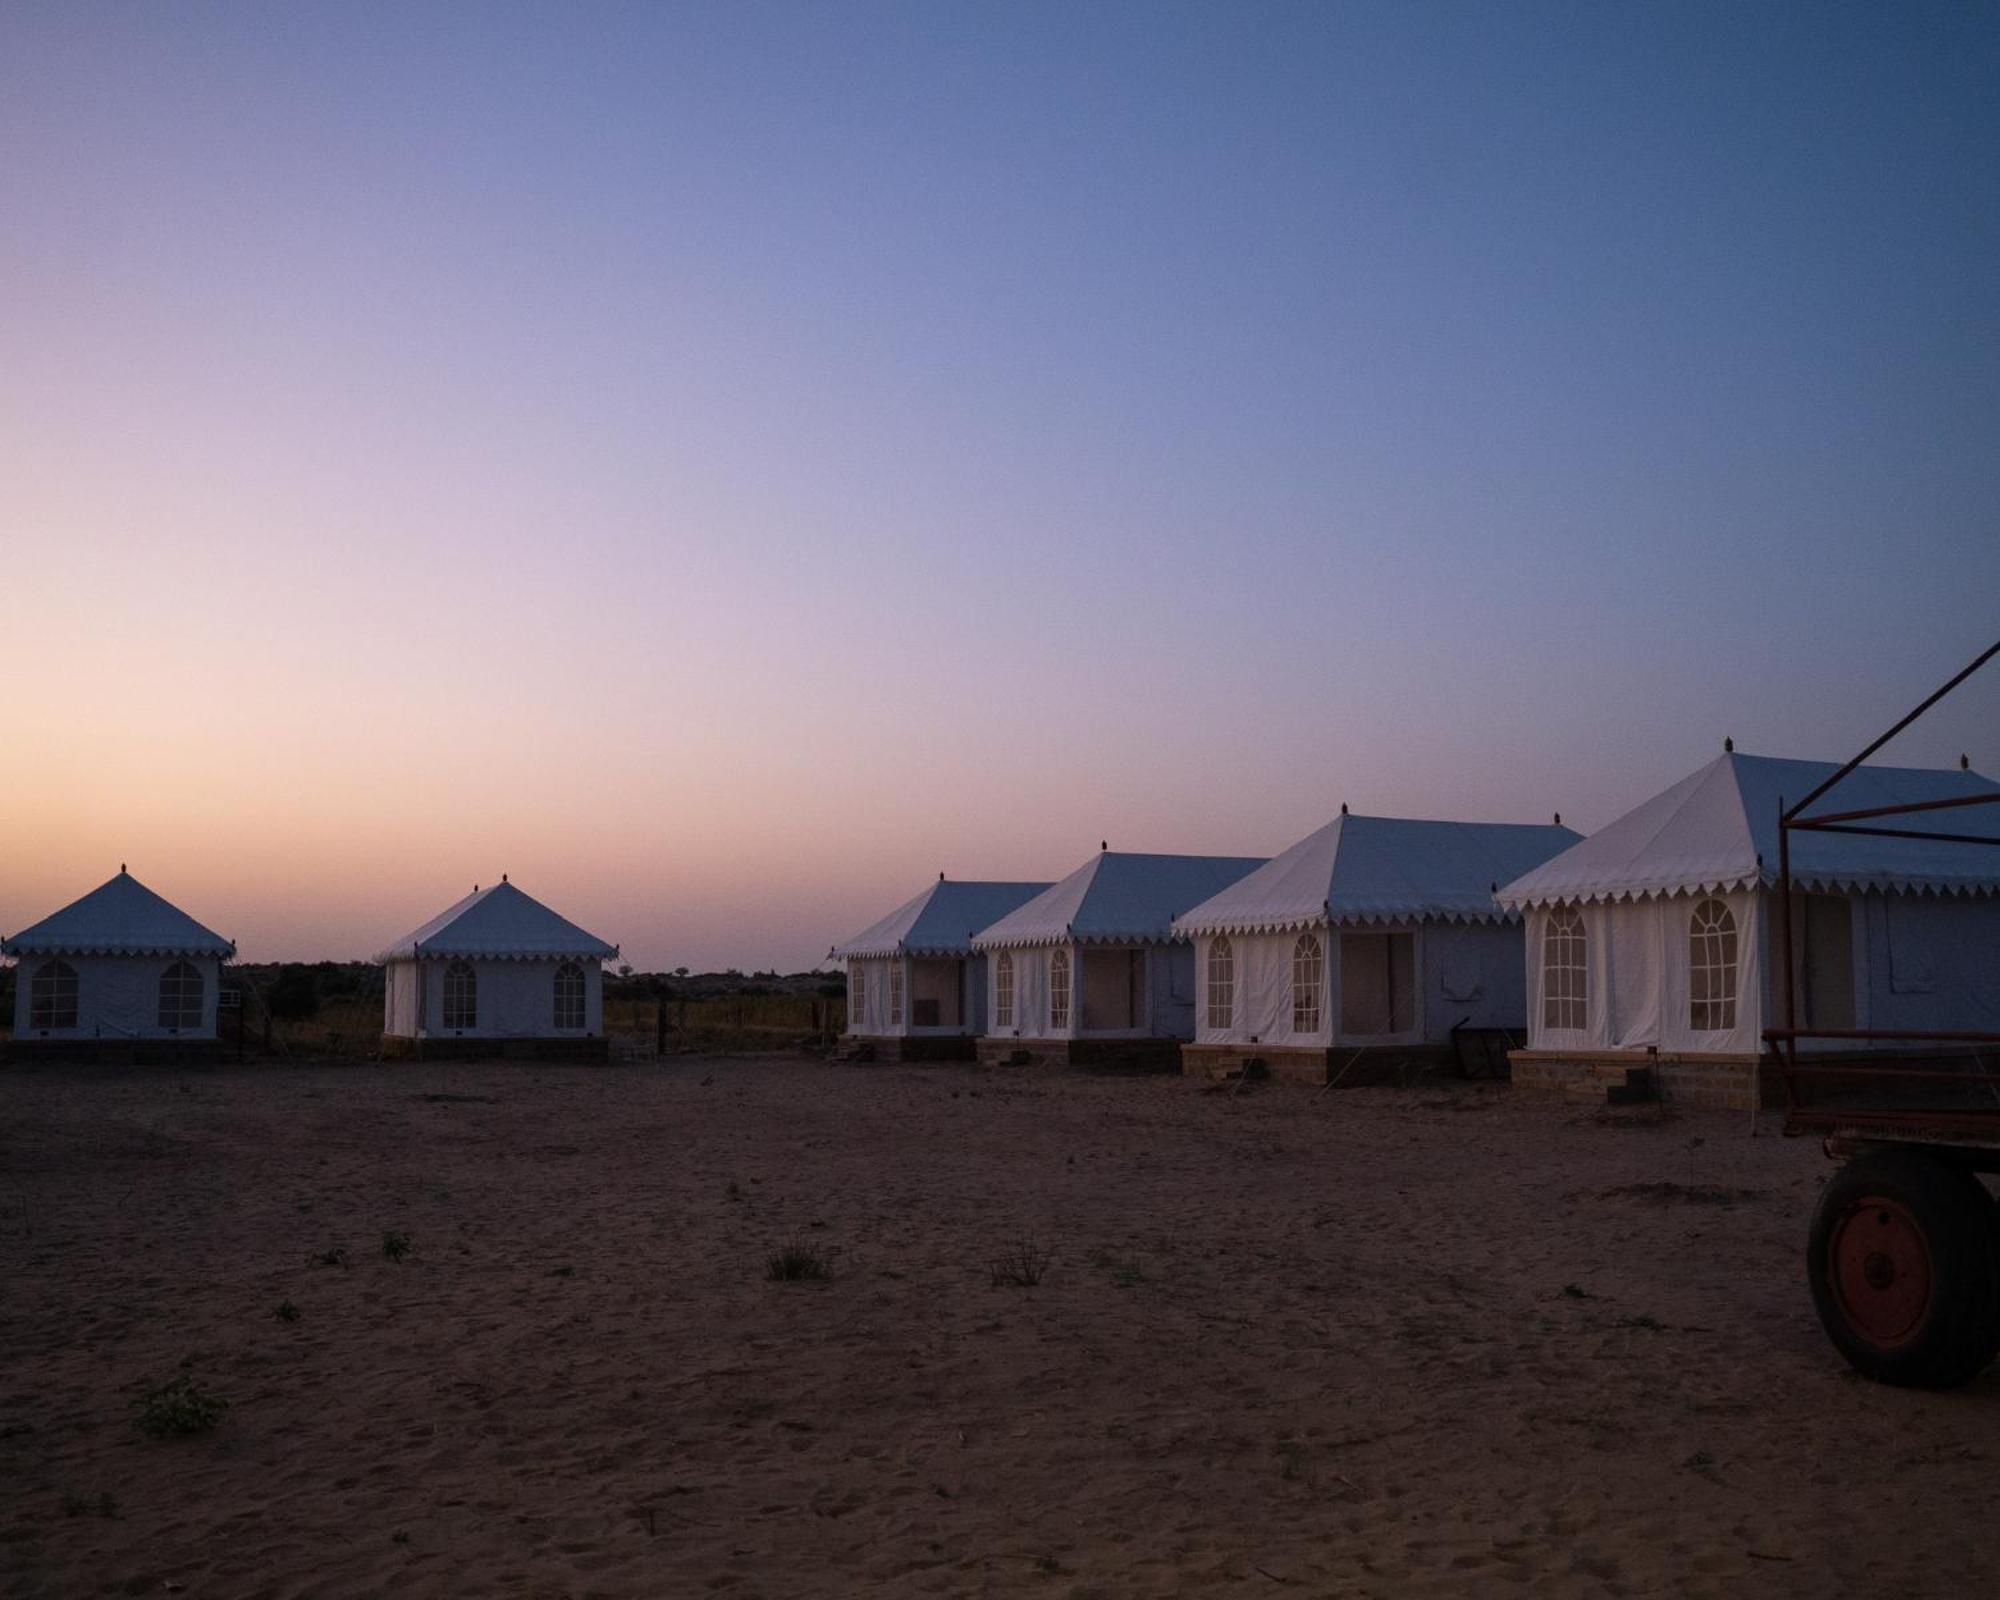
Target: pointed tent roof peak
(500, 923)
(1717, 828)
(120, 917)
(1117, 897)
(1358, 869)
(939, 921)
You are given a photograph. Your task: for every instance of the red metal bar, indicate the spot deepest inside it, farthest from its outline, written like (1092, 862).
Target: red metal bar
(1897, 833)
(1896, 1074)
(1983, 657)
(1910, 808)
(1829, 1118)
(1956, 1036)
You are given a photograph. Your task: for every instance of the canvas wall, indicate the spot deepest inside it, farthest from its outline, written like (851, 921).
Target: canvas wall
(1460, 972)
(1166, 1009)
(958, 984)
(117, 997)
(516, 1000)
(1636, 964)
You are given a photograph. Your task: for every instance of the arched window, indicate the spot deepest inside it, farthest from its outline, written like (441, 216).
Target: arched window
(1308, 977)
(1712, 968)
(181, 996)
(1003, 989)
(461, 996)
(1059, 989)
(1563, 969)
(52, 996)
(896, 992)
(1221, 983)
(857, 984)
(569, 997)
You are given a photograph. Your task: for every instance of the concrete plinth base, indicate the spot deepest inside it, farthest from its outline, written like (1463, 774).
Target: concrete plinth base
(1351, 1066)
(115, 1052)
(891, 1048)
(396, 1047)
(1098, 1055)
(1717, 1082)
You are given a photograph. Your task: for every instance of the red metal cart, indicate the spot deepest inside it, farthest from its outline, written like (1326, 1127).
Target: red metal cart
(1904, 1252)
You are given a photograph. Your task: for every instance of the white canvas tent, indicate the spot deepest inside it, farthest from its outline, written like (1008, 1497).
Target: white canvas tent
(1091, 969)
(1650, 944)
(497, 968)
(1372, 934)
(913, 989)
(120, 967)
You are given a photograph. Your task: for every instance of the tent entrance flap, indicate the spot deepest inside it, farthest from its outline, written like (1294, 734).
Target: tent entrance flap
(937, 988)
(1823, 956)
(1114, 990)
(1378, 984)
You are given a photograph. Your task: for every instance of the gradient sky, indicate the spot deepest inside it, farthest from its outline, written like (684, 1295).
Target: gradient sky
(724, 464)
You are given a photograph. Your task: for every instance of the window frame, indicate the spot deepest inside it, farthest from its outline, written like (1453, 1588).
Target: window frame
(180, 1016)
(1713, 948)
(896, 992)
(1061, 990)
(1565, 985)
(571, 973)
(1003, 989)
(459, 1000)
(54, 996)
(1220, 976)
(1311, 968)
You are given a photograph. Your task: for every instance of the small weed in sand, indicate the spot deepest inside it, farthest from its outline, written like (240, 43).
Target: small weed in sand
(1576, 1291)
(797, 1263)
(178, 1408)
(400, 1536)
(1020, 1266)
(1049, 1567)
(1293, 1456)
(286, 1312)
(734, 1191)
(563, 1272)
(1126, 1274)
(83, 1505)
(396, 1246)
(336, 1257)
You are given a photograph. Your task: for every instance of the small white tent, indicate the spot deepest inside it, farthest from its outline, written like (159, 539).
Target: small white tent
(498, 972)
(1091, 970)
(1650, 945)
(120, 970)
(1357, 951)
(914, 993)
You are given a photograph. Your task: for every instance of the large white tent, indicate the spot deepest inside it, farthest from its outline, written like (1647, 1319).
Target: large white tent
(498, 969)
(1363, 944)
(121, 968)
(1651, 944)
(913, 990)
(1091, 969)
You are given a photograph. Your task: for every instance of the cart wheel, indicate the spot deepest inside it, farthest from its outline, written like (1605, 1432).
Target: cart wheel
(1905, 1270)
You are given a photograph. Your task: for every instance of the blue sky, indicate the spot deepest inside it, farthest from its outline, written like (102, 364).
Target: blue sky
(727, 463)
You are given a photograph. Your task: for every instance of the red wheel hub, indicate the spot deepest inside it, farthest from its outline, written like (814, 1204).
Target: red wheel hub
(1880, 1269)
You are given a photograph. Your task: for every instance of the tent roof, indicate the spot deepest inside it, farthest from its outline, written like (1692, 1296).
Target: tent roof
(1380, 869)
(119, 918)
(1718, 829)
(940, 921)
(1116, 897)
(499, 924)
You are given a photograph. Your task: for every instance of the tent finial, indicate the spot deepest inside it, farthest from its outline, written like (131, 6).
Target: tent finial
(940, 875)
(1559, 819)
(503, 877)
(121, 869)
(1104, 844)
(1343, 808)
(1728, 745)
(1964, 762)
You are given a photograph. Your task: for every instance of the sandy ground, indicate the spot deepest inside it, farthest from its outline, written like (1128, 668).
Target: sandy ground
(1371, 1342)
